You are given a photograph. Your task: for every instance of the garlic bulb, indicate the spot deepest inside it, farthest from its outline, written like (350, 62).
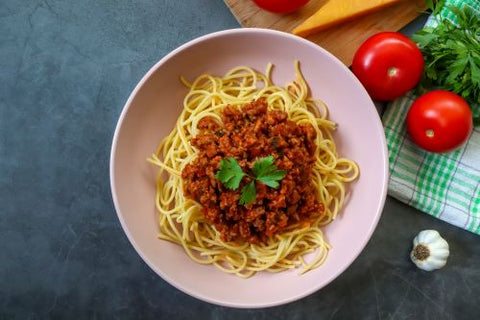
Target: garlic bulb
(430, 250)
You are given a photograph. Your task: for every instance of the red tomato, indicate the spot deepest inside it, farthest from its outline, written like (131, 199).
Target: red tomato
(280, 6)
(439, 121)
(388, 65)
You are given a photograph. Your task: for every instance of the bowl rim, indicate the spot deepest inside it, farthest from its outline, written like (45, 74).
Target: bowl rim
(379, 205)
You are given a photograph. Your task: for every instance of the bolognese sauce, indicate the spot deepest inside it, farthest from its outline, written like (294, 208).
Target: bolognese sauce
(246, 134)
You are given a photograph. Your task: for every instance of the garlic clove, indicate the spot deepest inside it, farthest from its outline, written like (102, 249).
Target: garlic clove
(430, 251)
(427, 236)
(440, 244)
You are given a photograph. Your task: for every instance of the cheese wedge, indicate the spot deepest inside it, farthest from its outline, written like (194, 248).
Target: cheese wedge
(336, 11)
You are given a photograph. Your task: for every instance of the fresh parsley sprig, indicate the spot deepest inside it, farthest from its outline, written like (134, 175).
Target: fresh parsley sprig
(231, 174)
(451, 52)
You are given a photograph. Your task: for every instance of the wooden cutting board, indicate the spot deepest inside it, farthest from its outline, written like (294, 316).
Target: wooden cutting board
(341, 40)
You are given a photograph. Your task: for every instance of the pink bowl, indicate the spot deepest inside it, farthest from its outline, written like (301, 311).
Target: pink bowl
(150, 114)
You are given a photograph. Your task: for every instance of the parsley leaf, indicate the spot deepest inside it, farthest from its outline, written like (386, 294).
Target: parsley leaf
(451, 52)
(263, 166)
(231, 174)
(248, 193)
(476, 122)
(429, 3)
(272, 178)
(267, 173)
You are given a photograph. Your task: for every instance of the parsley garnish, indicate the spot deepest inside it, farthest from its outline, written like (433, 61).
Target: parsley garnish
(451, 52)
(248, 193)
(266, 172)
(231, 174)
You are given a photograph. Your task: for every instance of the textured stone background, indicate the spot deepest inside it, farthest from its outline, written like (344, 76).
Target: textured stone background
(67, 68)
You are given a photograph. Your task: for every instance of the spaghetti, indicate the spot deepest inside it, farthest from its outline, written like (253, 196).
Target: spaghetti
(181, 220)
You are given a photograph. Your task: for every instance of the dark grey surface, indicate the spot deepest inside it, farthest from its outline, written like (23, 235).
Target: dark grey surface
(67, 68)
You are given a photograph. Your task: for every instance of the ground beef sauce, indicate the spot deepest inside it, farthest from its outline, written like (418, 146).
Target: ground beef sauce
(246, 134)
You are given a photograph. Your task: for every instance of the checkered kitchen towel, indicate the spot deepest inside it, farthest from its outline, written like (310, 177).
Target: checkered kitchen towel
(446, 186)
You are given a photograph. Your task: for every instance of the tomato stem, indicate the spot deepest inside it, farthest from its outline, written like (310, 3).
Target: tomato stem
(430, 133)
(392, 71)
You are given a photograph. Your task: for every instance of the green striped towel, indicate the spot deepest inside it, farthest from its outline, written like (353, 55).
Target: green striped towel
(446, 186)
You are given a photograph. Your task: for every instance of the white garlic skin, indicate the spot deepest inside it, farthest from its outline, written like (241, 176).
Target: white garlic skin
(438, 247)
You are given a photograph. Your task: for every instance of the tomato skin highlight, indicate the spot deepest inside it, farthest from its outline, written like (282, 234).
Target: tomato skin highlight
(439, 121)
(388, 64)
(280, 6)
